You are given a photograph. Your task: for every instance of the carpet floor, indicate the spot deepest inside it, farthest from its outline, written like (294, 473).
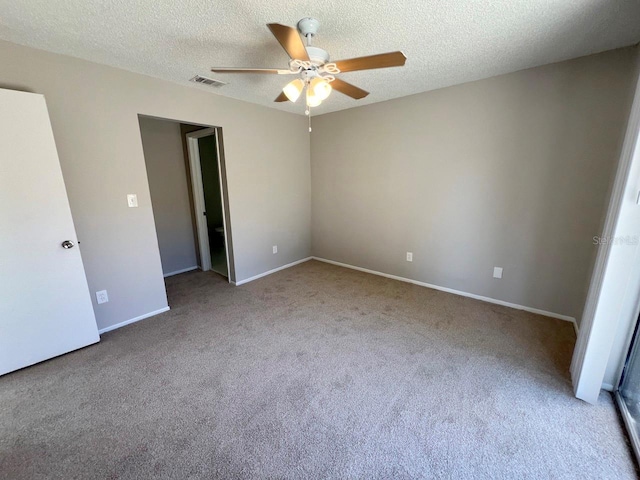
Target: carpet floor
(313, 372)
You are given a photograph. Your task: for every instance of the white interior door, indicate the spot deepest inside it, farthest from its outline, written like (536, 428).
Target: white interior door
(198, 196)
(199, 199)
(45, 307)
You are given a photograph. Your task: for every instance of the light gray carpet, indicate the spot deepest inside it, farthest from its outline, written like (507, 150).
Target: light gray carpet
(313, 372)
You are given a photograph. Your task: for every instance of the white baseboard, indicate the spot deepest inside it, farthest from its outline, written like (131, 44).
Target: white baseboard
(608, 387)
(132, 320)
(256, 277)
(184, 270)
(456, 292)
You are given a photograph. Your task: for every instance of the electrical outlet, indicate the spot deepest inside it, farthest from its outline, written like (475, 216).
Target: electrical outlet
(497, 272)
(275, 249)
(102, 296)
(132, 200)
(409, 257)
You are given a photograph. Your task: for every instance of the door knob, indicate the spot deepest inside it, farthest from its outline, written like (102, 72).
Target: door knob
(68, 244)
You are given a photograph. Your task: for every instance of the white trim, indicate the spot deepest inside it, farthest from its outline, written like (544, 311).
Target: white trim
(608, 387)
(133, 320)
(184, 270)
(559, 316)
(199, 200)
(256, 277)
(223, 204)
(611, 301)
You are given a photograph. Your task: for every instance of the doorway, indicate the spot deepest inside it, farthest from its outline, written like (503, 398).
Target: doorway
(188, 186)
(208, 187)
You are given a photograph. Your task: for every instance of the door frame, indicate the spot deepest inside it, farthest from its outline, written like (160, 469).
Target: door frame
(198, 197)
(613, 301)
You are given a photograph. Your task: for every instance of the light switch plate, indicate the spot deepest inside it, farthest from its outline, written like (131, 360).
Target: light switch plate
(497, 272)
(132, 200)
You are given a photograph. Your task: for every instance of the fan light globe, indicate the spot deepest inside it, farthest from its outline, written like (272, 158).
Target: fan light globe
(312, 99)
(293, 89)
(321, 88)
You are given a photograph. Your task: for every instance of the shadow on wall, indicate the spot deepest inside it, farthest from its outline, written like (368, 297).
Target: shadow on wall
(16, 87)
(177, 204)
(170, 193)
(512, 171)
(524, 181)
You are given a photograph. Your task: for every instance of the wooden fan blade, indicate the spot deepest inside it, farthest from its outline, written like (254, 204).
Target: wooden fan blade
(251, 70)
(290, 40)
(383, 60)
(281, 98)
(348, 89)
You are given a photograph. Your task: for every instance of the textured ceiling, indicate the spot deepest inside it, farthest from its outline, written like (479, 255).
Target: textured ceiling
(446, 41)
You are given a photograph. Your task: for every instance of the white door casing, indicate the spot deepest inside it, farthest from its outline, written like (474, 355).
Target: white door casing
(198, 197)
(612, 304)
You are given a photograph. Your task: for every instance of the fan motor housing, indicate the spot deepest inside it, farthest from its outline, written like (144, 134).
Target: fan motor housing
(317, 55)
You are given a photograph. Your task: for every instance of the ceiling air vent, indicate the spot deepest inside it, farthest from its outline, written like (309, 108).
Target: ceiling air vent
(207, 81)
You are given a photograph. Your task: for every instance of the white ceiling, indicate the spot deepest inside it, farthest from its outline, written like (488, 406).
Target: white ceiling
(447, 42)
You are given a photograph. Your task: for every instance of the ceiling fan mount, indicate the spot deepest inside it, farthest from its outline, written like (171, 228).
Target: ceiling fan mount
(308, 27)
(311, 65)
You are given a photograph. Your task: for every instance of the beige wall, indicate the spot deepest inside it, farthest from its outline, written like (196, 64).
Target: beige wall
(167, 175)
(94, 113)
(511, 171)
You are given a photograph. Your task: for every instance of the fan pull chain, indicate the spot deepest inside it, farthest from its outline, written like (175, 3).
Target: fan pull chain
(309, 120)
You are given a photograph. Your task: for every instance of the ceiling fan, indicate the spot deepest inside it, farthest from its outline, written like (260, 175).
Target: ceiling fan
(312, 67)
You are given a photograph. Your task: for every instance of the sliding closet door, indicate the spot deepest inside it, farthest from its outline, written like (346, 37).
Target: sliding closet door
(628, 393)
